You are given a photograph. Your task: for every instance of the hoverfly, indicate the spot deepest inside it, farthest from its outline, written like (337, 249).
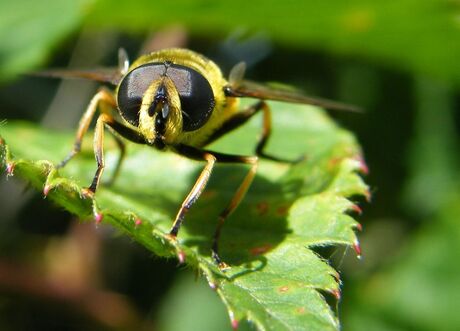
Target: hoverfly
(178, 100)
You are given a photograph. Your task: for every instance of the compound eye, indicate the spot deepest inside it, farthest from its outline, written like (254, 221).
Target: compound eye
(132, 89)
(196, 96)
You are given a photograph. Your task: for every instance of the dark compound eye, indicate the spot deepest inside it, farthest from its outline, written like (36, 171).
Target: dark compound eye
(196, 96)
(195, 92)
(133, 87)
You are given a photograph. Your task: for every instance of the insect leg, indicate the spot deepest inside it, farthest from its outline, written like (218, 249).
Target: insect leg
(266, 132)
(198, 154)
(194, 194)
(241, 118)
(116, 128)
(120, 130)
(98, 151)
(103, 96)
(237, 120)
(109, 109)
(237, 197)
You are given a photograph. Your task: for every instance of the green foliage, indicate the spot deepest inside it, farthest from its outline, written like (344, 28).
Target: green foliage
(417, 291)
(381, 30)
(276, 281)
(29, 29)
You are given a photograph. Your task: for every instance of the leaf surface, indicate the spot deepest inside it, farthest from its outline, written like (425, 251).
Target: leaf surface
(276, 280)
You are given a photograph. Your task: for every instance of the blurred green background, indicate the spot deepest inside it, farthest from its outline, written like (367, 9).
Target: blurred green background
(399, 60)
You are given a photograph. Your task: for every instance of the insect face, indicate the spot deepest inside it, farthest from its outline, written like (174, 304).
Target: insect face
(164, 99)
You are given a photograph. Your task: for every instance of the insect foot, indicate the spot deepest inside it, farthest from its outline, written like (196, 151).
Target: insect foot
(221, 264)
(87, 193)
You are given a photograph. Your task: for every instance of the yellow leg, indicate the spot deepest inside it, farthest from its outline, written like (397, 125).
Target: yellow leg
(266, 129)
(237, 197)
(98, 151)
(102, 97)
(194, 194)
(211, 158)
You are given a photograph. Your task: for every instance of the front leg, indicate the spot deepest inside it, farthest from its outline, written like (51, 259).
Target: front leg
(117, 129)
(102, 98)
(200, 184)
(196, 191)
(98, 145)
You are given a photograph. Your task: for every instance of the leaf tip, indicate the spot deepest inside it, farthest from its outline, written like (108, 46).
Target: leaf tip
(46, 190)
(362, 166)
(98, 217)
(181, 257)
(336, 276)
(357, 209)
(10, 169)
(336, 293)
(235, 324)
(359, 227)
(357, 248)
(137, 222)
(368, 195)
(233, 321)
(213, 285)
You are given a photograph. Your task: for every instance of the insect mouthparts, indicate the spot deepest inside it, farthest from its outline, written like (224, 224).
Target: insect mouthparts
(160, 98)
(161, 93)
(165, 110)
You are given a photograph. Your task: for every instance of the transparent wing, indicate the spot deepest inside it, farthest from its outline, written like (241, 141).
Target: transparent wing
(244, 88)
(103, 75)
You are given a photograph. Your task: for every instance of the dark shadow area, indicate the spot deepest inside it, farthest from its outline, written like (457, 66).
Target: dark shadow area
(26, 313)
(332, 299)
(129, 269)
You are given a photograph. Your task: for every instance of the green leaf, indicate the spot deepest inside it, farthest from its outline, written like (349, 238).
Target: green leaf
(29, 29)
(276, 280)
